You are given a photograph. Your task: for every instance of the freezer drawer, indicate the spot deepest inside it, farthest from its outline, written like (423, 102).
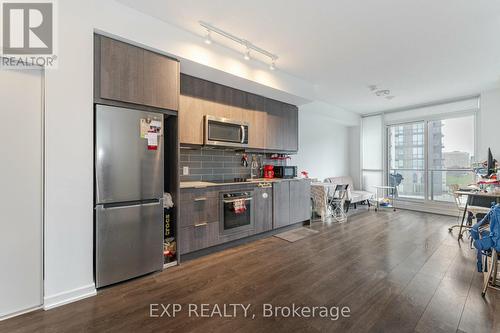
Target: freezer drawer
(124, 167)
(129, 241)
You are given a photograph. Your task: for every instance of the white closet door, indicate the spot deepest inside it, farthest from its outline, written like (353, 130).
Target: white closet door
(21, 190)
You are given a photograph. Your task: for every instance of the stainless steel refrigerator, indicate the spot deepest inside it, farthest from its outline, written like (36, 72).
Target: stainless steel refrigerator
(128, 195)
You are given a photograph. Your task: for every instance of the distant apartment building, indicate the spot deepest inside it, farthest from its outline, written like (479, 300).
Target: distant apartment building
(457, 160)
(409, 160)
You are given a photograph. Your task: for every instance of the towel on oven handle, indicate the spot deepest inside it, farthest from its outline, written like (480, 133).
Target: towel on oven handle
(239, 206)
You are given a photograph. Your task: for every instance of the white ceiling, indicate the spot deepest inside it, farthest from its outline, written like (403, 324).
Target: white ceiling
(422, 51)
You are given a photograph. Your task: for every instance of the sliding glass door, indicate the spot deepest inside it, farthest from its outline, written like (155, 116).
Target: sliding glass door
(451, 153)
(427, 158)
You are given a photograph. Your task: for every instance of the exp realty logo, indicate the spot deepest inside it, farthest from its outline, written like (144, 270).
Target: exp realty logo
(28, 33)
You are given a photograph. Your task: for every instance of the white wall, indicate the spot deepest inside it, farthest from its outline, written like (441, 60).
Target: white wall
(323, 144)
(69, 125)
(489, 124)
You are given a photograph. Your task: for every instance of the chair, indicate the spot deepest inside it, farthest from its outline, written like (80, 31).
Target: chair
(353, 196)
(472, 213)
(336, 203)
(490, 277)
(453, 188)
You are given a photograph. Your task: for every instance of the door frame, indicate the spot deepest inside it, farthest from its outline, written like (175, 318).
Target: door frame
(42, 194)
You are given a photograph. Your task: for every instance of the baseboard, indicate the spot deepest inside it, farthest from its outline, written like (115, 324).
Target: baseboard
(428, 207)
(69, 296)
(18, 313)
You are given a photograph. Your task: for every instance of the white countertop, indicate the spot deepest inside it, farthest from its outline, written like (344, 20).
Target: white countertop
(200, 184)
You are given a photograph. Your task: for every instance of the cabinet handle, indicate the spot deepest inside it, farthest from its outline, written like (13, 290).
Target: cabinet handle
(200, 199)
(201, 224)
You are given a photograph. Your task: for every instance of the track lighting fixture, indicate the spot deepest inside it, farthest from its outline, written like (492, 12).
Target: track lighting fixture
(249, 46)
(272, 66)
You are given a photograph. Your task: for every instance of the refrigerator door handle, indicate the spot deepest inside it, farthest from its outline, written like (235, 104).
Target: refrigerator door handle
(152, 203)
(106, 207)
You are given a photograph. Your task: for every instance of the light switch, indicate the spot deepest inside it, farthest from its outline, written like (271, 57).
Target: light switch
(185, 171)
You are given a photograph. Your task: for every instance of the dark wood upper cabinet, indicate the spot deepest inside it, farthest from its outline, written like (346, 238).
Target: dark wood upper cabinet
(161, 81)
(282, 126)
(121, 71)
(127, 73)
(291, 131)
(273, 125)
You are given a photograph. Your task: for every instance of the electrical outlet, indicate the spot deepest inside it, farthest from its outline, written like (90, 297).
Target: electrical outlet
(185, 171)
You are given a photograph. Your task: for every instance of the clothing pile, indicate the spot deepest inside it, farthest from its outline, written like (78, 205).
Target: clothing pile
(486, 240)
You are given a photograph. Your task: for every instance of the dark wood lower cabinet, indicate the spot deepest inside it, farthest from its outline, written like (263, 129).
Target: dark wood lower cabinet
(292, 202)
(281, 204)
(300, 200)
(203, 209)
(285, 203)
(263, 209)
(198, 236)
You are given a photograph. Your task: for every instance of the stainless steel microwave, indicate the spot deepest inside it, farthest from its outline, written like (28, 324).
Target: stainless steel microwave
(225, 132)
(285, 172)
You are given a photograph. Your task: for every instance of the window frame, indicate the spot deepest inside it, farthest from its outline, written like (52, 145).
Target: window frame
(427, 168)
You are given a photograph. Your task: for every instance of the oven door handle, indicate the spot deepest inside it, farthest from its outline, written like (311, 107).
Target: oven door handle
(234, 200)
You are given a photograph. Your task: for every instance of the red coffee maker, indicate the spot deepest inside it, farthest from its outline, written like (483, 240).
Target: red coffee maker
(268, 171)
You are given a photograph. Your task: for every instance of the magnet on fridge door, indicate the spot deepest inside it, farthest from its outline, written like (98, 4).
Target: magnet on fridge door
(152, 140)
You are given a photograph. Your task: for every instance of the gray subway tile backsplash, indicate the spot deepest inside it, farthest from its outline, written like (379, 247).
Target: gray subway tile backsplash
(211, 164)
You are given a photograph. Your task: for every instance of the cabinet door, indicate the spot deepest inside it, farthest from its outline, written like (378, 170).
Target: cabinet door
(291, 132)
(121, 71)
(198, 211)
(191, 111)
(161, 81)
(300, 200)
(198, 237)
(275, 125)
(263, 206)
(281, 204)
(257, 118)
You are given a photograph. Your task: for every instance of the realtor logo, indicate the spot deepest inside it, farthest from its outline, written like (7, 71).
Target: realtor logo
(28, 33)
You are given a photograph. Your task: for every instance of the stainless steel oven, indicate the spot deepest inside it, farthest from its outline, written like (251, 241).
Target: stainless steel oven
(225, 132)
(236, 211)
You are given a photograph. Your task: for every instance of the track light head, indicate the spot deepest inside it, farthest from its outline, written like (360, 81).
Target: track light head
(246, 56)
(208, 38)
(273, 65)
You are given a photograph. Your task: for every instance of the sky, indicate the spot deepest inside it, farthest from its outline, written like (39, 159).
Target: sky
(459, 134)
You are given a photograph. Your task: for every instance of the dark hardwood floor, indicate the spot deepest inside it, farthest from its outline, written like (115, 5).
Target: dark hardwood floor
(397, 272)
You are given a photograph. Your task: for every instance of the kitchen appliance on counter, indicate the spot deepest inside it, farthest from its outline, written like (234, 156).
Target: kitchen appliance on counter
(268, 171)
(236, 212)
(225, 132)
(129, 180)
(286, 172)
